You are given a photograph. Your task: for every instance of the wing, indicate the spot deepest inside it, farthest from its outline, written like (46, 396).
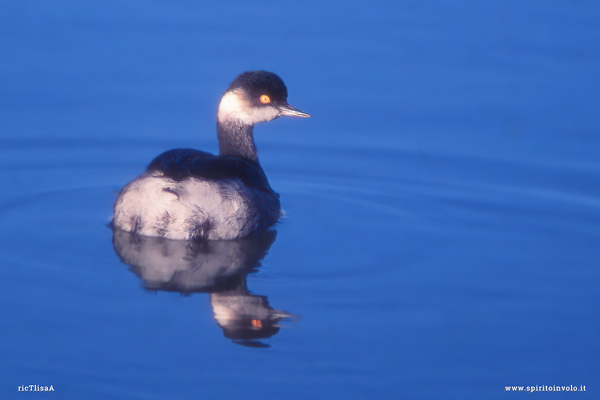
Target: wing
(179, 164)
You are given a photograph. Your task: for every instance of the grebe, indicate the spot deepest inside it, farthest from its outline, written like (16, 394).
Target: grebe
(188, 194)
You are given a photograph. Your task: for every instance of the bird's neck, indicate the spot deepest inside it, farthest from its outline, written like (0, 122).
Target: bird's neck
(236, 139)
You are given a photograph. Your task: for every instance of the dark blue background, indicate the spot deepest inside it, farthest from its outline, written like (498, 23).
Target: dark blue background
(443, 205)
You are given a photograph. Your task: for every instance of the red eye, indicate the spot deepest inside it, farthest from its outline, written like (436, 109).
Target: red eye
(265, 99)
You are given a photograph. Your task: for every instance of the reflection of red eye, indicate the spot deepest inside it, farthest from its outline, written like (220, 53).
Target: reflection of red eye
(265, 99)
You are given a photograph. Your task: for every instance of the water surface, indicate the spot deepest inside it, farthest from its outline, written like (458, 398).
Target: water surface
(442, 204)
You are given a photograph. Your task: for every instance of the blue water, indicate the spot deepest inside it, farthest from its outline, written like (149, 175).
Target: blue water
(443, 205)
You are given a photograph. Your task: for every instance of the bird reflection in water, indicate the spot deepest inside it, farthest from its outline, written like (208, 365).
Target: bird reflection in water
(218, 267)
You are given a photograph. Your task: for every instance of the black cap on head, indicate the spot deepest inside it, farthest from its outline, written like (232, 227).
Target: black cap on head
(257, 83)
(244, 329)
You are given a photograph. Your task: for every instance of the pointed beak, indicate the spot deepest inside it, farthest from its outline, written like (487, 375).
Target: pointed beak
(292, 111)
